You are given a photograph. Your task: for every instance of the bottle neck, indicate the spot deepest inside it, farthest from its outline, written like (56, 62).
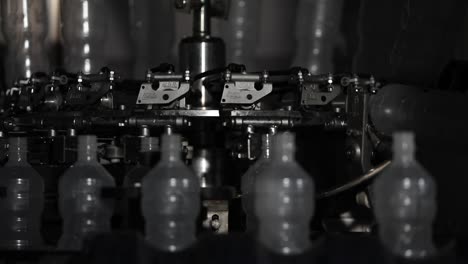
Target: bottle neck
(87, 149)
(18, 150)
(403, 147)
(171, 148)
(266, 146)
(171, 155)
(149, 151)
(283, 148)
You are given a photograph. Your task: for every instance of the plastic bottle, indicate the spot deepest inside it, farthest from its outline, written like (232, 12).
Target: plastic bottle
(148, 17)
(241, 33)
(317, 34)
(22, 200)
(170, 200)
(92, 40)
(149, 156)
(248, 183)
(25, 28)
(83, 209)
(284, 200)
(405, 202)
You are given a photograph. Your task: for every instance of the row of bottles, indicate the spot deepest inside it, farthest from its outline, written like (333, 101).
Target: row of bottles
(135, 34)
(170, 197)
(278, 199)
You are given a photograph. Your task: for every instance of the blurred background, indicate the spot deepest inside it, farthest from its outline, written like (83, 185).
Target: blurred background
(403, 40)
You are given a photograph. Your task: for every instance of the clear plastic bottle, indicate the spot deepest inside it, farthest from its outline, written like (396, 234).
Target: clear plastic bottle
(23, 200)
(170, 200)
(248, 183)
(284, 200)
(25, 28)
(405, 202)
(241, 32)
(149, 156)
(92, 40)
(147, 17)
(317, 34)
(83, 209)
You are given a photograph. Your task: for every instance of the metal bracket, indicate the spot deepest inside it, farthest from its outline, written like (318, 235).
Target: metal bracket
(359, 145)
(311, 94)
(240, 89)
(167, 92)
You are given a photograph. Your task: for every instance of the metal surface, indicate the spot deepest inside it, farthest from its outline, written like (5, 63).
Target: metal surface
(243, 92)
(217, 217)
(359, 146)
(261, 118)
(167, 92)
(313, 95)
(202, 165)
(201, 18)
(201, 54)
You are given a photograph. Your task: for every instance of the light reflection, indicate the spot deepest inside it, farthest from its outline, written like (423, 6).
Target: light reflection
(25, 14)
(87, 66)
(86, 48)
(85, 10)
(85, 28)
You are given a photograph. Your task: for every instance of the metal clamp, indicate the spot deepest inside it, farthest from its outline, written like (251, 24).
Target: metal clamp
(240, 88)
(171, 87)
(311, 94)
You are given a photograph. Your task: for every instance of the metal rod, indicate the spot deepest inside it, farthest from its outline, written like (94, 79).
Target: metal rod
(369, 175)
(201, 19)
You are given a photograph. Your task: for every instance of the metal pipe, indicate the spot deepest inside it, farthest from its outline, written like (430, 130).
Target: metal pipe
(201, 19)
(349, 185)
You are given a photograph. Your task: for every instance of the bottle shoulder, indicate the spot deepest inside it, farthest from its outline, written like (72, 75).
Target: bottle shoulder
(248, 178)
(283, 170)
(288, 175)
(176, 177)
(12, 171)
(84, 171)
(170, 170)
(405, 178)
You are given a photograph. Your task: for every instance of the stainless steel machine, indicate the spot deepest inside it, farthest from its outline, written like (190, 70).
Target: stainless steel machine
(221, 110)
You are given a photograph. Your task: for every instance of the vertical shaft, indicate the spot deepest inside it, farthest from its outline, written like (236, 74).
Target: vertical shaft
(201, 19)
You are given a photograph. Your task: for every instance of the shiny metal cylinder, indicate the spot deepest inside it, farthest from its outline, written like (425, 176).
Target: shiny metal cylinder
(25, 29)
(201, 19)
(201, 54)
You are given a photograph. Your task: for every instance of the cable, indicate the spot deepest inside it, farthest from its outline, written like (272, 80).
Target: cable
(363, 178)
